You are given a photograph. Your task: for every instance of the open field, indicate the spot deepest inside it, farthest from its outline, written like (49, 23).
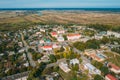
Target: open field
(113, 58)
(63, 17)
(11, 20)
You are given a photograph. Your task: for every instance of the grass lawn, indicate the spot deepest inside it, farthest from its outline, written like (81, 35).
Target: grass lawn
(70, 75)
(113, 58)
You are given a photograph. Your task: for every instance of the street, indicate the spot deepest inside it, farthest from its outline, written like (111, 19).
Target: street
(32, 63)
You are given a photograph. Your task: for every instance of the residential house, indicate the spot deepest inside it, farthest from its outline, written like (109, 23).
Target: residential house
(20, 44)
(26, 64)
(73, 36)
(92, 69)
(42, 30)
(22, 50)
(74, 61)
(37, 33)
(56, 46)
(54, 34)
(110, 77)
(45, 58)
(96, 55)
(61, 31)
(41, 41)
(88, 52)
(49, 78)
(85, 39)
(109, 33)
(114, 68)
(60, 39)
(47, 47)
(64, 67)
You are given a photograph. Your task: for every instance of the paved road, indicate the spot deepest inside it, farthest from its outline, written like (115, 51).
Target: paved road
(56, 63)
(79, 52)
(32, 63)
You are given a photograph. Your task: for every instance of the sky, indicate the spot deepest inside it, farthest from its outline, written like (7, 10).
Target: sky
(59, 3)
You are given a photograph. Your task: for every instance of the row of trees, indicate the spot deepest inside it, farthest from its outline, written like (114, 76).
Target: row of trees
(90, 44)
(36, 73)
(102, 27)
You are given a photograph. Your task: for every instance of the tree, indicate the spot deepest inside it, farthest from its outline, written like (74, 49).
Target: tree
(80, 45)
(62, 49)
(98, 77)
(65, 37)
(52, 58)
(36, 56)
(104, 40)
(36, 72)
(31, 50)
(105, 70)
(94, 44)
(97, 64)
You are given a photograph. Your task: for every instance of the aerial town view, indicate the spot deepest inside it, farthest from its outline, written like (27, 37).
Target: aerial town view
(59, 40)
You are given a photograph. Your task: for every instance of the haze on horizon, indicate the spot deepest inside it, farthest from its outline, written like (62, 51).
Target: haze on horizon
(59, 3)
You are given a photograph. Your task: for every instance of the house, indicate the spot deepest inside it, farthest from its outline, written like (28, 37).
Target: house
(85, 39)
(74, 61)
(47, 40)
(11, 53)
(49, 78)
(56, 46)
(19, 76)
(98, 36)
(37, 33)
(60, 39)
(60, 31)
(42, 30)
(41, 41)
(55, 74)
(54, 34)
(47, 47)
(103, 46)
(92, 69)
(45, 58)
(109, 33)
(88, 52)
(1, 54)
(20, 44)
(96, 55)
(22, 50)
(26, 64)
(64, 67)
(110, 77)
(73, 36)
(114, 68)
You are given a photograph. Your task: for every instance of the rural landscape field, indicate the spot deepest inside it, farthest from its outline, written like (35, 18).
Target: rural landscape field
(59, 39)
(62, 17)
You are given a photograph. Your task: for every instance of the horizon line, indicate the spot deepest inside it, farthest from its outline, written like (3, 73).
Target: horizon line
(59, 7)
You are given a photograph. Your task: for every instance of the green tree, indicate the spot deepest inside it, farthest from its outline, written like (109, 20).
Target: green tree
(36, 72)
(98, 77)
(52, 58)
(105, 70)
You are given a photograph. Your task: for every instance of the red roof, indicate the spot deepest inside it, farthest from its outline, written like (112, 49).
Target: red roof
(111, 77)
(54, 33)
(114, 66)
(47, 46)
(71, 35)
(94, 56)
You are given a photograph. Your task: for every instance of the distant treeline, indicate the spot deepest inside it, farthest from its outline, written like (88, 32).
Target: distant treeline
(13, 26)
(102, 27)
(24, 25)
(16, 26)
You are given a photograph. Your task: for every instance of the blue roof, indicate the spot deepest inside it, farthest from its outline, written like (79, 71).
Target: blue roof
(100, 56)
